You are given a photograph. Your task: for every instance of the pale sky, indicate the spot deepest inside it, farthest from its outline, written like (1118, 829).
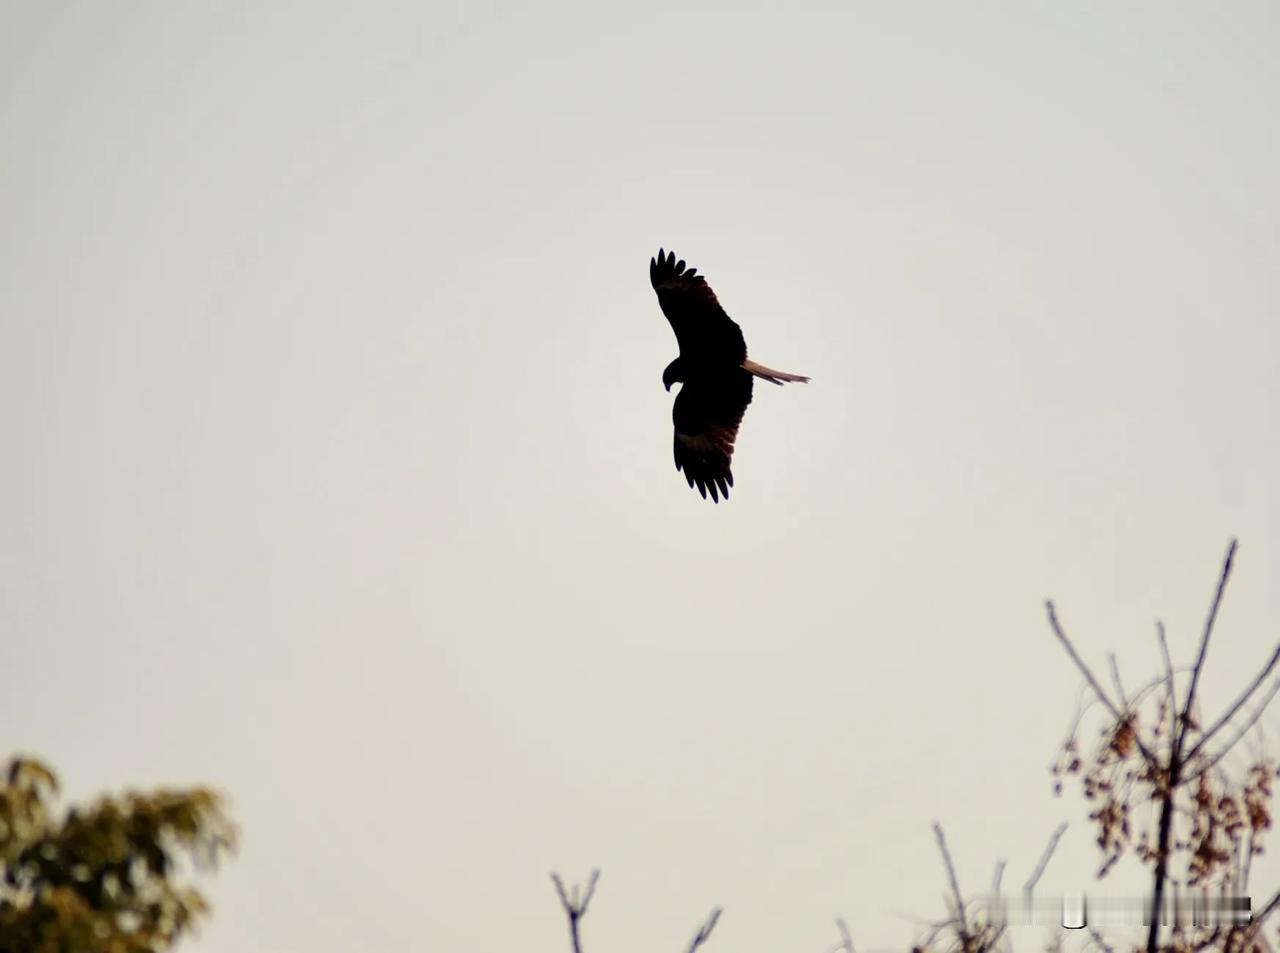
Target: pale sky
(338, 469)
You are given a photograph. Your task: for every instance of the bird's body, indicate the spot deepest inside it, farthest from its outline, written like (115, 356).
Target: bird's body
(713, 370)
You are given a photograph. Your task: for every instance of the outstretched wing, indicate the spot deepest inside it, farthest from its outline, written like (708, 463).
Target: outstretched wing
(704, 332)
(706, 415)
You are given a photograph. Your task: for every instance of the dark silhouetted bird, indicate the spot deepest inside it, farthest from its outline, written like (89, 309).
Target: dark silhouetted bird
(714, 373)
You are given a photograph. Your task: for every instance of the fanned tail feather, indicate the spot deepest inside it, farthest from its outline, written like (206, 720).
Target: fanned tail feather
(772, 376)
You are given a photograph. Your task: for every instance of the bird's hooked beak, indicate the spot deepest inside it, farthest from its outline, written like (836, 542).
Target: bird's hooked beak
(671, 374)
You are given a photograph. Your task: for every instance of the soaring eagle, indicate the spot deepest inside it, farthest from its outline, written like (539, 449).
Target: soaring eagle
(714, 371)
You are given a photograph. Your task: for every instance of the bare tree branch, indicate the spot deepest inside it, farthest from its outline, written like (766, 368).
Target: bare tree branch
(1243, 730)
(1093, 682)
(1101, 941)
(1176, 760)
(704, 931)
(1272, 906)
(1115, 680)
(1036, 874)
(1168, 676)
(962, 927)
(575, 903)
(1204, 643)
(846, 938)
(1084, 669)
(1239, 703)
(1260, 919)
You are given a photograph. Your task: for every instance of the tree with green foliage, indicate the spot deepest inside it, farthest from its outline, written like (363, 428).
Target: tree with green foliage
(106, 877)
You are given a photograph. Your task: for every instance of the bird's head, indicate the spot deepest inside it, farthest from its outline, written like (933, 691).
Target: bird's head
(674, 374)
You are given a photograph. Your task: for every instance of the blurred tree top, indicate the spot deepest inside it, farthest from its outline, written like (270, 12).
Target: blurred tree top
(103, 878)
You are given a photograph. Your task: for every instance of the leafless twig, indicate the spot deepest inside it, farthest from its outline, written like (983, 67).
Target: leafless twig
(1176, 761)
(1093, 682)
(1240, 733)
(1101, 941)
(1168, 677)
(575, 903)
(1237, 705)
(846, 938)
(1204, 641)
(704, 931)
(1036, 874)
(1115, 680)
(961, 923)
(1271, 907)
(1260, 919)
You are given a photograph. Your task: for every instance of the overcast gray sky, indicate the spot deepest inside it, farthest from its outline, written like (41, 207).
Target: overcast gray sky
(338, 466)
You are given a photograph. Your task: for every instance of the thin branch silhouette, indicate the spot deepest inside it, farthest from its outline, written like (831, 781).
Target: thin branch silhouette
(997, 877)
(1151, 759)
(846, 938)
(575, 904)
(1208, 633)
(1036, 874)
(1115, 680)
(576, 900)
(961, 923)
(704, 931)
(1238, 704)
(1243, 730)
(1168, 675)
(1176, 762)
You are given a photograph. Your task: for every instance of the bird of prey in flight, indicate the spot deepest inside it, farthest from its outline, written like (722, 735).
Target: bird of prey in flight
(713, 370)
